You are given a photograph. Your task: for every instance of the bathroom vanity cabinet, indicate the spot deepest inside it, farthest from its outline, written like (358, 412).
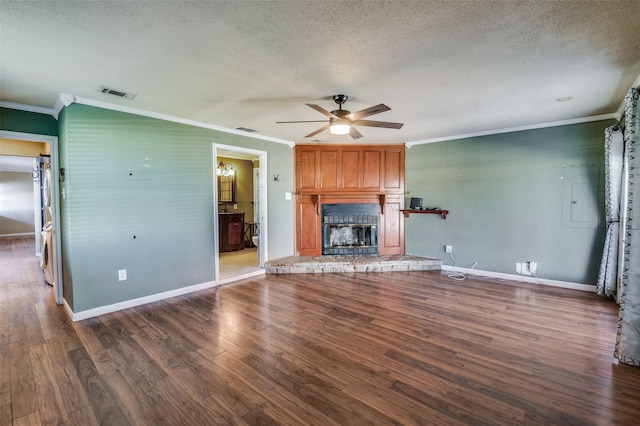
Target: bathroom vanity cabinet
(231, 231)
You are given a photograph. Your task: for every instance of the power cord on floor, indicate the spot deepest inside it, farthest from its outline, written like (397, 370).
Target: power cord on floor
(457, 275)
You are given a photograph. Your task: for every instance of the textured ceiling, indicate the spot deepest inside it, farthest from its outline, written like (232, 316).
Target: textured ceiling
(444, 67)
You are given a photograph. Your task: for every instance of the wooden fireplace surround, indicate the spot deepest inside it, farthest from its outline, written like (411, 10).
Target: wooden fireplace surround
(334, 174)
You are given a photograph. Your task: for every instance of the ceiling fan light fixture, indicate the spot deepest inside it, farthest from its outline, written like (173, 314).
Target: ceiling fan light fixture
(344, 122)
(340, 129)
(340, 125)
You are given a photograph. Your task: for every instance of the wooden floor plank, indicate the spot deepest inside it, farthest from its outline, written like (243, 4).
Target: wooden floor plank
(23, 388)
(83, 417)
(103, 401)
(31, 419)
(49, 396)
(68, 383)
(410, 348)
(267, 398)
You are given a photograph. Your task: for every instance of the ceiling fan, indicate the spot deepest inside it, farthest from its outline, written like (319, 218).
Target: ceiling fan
(342, 122)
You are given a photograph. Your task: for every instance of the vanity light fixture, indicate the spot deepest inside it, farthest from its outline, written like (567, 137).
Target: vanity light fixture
(225, 169)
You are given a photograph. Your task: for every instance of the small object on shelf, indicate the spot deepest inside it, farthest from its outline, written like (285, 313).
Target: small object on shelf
(416, 203)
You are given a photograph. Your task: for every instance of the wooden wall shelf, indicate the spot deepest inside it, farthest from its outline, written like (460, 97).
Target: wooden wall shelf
(443, 213)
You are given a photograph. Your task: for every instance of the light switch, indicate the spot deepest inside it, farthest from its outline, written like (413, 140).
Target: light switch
(287, 196)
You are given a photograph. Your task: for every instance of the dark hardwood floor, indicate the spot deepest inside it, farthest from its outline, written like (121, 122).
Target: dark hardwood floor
(324, 349)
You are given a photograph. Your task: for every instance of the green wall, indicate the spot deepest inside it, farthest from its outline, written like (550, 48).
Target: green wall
(510, 200)
(28, 122)
(138, 195)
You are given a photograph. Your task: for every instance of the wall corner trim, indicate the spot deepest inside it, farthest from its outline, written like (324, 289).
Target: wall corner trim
(64, 100)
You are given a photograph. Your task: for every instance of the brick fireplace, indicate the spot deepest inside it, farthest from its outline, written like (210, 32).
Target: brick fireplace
(350, 229)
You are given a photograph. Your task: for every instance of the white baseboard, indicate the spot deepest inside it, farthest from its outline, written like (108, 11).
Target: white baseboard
(522, 278)
(19, 234)
(101, 310)
(94, 312)
(242, 277)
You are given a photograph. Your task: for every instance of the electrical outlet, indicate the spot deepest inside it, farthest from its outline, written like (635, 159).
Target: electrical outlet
(122, 275)
(526, 268)
(448, 249)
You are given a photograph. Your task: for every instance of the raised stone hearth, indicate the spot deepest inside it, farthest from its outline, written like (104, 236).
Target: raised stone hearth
(336, 264)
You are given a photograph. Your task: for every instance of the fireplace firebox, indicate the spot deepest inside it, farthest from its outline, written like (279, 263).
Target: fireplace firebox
(350, 229)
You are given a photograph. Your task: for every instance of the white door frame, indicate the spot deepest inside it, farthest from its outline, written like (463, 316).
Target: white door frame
(262, 247)
(55, 200)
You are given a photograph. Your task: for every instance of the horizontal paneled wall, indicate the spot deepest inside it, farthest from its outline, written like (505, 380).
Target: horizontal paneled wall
(138, 195)
(533, 195)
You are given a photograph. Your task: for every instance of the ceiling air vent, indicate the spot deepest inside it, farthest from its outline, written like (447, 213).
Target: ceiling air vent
(246, 129)
(117, 93)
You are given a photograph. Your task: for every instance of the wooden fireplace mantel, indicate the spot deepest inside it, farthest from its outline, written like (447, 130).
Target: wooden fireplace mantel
(327, 174)
(352, 197)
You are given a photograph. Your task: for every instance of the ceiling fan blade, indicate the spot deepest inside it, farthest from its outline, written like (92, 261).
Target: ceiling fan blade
(368, 111)
(371, 123)
(305, 121)
(322, 111)
(320, 130)
(354, 133)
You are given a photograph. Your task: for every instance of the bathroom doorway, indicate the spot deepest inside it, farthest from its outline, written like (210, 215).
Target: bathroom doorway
(239, 197)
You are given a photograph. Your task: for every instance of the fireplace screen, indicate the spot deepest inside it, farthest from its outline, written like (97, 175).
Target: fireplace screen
(346, 233)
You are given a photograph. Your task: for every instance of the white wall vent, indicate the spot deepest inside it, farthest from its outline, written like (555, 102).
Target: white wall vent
(117, 93)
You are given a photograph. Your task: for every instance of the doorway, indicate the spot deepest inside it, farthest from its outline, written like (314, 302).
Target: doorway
(54, 248)
(239, 201)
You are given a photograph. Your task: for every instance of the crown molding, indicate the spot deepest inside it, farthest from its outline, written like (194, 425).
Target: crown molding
(63, 100)
(167, 117)
(28, 108)
(614, 115)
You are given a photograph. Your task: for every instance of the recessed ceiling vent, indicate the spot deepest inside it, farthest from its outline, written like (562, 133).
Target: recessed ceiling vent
(117, 93)
(246, 129)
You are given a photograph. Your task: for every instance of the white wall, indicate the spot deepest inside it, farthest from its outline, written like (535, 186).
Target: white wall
(16, 204)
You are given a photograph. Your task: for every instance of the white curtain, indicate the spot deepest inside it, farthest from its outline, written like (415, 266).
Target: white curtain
(628, 340)
(613, 158)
